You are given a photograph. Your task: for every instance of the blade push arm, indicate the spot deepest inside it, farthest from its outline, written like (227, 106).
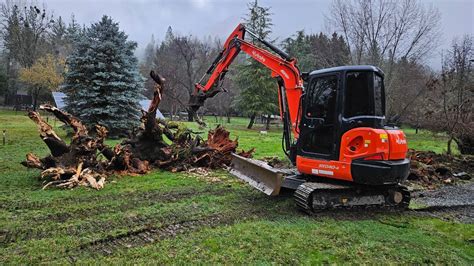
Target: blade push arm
(282, 66)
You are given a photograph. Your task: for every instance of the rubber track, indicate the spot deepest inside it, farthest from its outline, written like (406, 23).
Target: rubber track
(304, 199)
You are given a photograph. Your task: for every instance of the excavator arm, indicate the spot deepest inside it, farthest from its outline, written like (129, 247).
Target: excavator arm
(282, 66)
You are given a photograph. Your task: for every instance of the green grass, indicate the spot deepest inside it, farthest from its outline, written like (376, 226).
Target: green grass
(428, 141)
(181, 218)
(270, 144)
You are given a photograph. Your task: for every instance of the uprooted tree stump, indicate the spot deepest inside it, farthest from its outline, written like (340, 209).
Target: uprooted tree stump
(87, 161)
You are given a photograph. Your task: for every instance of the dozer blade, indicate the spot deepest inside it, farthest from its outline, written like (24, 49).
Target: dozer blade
(258, 174)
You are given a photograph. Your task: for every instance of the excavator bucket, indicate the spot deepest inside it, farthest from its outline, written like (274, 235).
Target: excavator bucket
(258, 174)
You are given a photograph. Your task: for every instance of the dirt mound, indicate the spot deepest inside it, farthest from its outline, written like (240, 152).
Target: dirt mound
(430, 169)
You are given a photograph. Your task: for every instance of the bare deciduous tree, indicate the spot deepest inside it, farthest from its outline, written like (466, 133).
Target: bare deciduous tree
(24, 35)
(24, 29)
(379, 30)
(182, 59)
(450, 106)
(382, 32)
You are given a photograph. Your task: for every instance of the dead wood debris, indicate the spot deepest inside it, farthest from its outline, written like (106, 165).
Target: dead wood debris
(80, 164)
(430, 169)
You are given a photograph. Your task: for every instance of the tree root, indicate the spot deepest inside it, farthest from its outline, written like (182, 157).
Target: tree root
(78, 163)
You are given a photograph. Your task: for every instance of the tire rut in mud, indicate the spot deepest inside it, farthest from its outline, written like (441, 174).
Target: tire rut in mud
(181, 226)
(139, 200)
(150, 234)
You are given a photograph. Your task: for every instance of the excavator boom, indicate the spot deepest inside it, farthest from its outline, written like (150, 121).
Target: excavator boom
(283, 68)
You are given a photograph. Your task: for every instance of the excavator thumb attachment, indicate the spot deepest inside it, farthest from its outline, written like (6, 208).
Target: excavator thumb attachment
(258, 174)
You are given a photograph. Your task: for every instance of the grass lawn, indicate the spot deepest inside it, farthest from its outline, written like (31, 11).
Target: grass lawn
(181, 218)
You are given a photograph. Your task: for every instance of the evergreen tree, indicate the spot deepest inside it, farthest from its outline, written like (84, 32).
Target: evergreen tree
(73, 34)
(103, 83)
(3, 79)
(317, 51)
(58, 37)
(299, 47)
(258, 90)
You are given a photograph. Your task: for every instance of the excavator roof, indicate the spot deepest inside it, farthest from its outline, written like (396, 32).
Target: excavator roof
(348, 68)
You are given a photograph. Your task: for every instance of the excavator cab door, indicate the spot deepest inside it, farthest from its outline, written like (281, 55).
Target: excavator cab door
(318, 117)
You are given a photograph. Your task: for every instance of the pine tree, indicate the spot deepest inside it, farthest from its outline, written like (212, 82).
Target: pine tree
(74, 33)
(258, 91)
(316, 51)
(58, 37)
(103, 83)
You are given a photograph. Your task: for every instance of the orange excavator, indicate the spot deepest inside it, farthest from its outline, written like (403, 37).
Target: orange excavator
(333, 131)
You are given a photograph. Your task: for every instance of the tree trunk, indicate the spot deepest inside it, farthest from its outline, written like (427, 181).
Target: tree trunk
(267, 125)
(252, 121)
(449, 145)
(465, 144)
(228, 118)
(190, 115)
(35, 98)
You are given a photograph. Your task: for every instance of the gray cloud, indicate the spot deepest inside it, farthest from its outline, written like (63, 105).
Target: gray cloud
(142, 18)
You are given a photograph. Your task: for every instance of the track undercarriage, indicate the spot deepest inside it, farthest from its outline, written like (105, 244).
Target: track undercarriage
(313, 194)
(314, 197)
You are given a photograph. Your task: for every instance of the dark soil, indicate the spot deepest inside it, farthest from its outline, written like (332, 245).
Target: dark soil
(432, 170)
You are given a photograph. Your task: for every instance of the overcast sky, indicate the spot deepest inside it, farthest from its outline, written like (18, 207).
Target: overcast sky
(142, 18)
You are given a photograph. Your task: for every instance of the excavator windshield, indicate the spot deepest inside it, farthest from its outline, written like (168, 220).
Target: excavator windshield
(364, 94)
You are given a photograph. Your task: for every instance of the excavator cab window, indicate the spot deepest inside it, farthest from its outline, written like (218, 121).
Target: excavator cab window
(379, 97)
(364, 94)
(321, 98)
(317, 131)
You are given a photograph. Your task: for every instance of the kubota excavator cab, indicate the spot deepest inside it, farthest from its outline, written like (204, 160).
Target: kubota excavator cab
(342, 134)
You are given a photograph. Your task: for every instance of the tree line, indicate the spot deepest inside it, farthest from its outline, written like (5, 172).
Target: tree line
(397, 36)
(34, 47)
